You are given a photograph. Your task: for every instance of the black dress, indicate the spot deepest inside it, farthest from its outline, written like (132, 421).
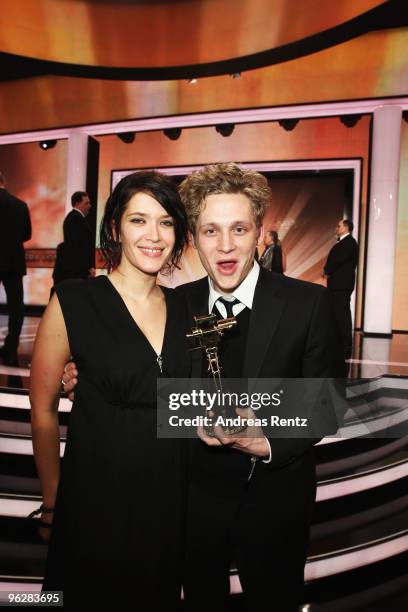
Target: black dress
(117, 535)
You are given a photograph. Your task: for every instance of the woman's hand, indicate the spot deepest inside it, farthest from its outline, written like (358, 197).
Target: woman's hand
(45, 532)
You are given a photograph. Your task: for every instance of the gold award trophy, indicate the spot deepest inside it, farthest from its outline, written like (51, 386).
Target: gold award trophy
(209, 330)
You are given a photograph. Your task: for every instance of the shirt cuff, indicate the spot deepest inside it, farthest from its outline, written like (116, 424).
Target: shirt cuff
(270, 452)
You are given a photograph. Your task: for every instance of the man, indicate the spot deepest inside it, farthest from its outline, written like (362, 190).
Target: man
(15, 229)
(341, 277)
(76, 255)
(272, 256)
(250, 499)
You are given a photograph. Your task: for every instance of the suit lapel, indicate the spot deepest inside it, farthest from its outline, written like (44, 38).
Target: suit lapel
(266, 312)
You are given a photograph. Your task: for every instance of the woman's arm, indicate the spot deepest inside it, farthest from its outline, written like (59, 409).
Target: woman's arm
(51, 352)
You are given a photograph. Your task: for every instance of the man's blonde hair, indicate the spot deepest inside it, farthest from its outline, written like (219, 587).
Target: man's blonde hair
(224, 178)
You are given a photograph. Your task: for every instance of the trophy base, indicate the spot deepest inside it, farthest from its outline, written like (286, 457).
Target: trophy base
(231, 430)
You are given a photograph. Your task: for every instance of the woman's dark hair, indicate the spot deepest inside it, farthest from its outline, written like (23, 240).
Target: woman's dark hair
(158, 186)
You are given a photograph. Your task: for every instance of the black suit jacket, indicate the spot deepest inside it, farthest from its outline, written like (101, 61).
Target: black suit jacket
(76, 255)
(290, 336)
(341, 265)
(15, 228)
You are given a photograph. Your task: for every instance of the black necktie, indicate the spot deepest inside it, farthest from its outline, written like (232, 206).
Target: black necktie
(228, 305)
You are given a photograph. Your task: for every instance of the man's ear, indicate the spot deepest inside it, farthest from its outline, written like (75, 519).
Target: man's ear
(261, 234)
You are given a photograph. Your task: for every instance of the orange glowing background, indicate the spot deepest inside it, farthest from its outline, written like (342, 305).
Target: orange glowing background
(38, 177)
(162, 32)
(373, 65)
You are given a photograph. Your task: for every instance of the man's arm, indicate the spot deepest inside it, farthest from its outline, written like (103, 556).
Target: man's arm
(25, 222)
(343, 254)
(319, 361)
(277, 265)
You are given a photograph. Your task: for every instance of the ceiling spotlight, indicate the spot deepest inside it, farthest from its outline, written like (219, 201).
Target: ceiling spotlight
(172, 133)
(126, 137)
(47, 144)
(225, 129)
(350, 120)
(288, 124)
(235, 75)
(192, 81)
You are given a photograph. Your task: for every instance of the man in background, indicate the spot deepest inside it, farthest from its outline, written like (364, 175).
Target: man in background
(340, 273)
(272, 258)
(76, 255)
(15, 229)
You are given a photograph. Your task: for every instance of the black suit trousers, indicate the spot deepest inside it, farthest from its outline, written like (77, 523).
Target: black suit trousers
(260, 527)
(13, 286)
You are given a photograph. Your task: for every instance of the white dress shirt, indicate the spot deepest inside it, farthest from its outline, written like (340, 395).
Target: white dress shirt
(244, 293)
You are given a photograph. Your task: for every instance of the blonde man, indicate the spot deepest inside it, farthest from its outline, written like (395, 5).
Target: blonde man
(251, 499)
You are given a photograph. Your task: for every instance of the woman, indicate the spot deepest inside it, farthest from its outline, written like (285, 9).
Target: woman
(116, 531)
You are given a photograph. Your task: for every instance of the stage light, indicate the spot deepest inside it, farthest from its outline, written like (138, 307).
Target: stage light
(47, 144)
(172, 133)
(225, 129)
(350, 120)
(192, 81)
(127, 137)
(288, 124)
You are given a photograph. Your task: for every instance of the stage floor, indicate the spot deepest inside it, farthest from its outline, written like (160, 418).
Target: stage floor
(359, 538)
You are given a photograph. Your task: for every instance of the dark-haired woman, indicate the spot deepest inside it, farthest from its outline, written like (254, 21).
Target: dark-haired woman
(115, 508)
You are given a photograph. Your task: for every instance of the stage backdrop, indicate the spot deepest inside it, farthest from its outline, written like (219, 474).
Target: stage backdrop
(312, 140)
(39, 177)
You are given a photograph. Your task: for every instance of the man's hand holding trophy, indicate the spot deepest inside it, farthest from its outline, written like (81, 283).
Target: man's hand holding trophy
(239, 435)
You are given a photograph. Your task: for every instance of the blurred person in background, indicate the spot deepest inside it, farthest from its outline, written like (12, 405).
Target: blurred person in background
(340, 274)
(15, 229)
(75, 256)
(272, 257)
